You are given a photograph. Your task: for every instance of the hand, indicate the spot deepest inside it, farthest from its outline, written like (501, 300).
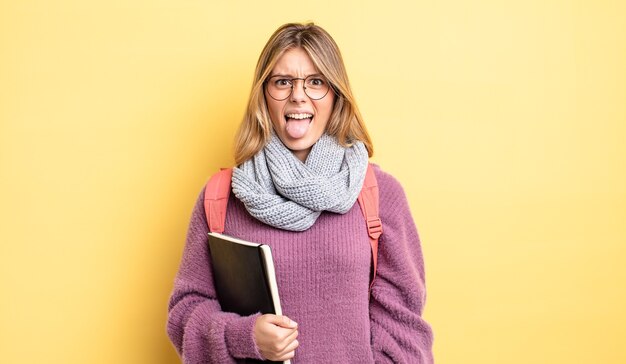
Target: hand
(275, 337)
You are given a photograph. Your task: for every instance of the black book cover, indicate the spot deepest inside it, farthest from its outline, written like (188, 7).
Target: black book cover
(244, 278)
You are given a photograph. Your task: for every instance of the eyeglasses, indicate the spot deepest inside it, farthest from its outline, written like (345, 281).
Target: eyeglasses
(280, 87)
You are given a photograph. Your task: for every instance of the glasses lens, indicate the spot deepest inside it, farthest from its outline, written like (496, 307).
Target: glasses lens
(316, 87)
(280, 87)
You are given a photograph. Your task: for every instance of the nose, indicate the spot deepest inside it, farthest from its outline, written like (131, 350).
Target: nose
(297, 91)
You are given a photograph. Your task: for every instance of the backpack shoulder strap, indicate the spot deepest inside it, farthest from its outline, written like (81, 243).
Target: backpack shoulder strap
(369, 202)
(216, 196)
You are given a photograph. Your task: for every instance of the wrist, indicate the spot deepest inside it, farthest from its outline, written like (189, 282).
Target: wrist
(239, 335)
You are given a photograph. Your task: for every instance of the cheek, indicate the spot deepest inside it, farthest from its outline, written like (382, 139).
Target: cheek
(275, 111)
(326, 108)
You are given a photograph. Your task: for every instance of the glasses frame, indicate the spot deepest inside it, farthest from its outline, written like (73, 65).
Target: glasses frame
(291, 80)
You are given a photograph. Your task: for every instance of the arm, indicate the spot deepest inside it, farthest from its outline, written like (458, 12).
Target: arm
(197, 327)
(399, 334)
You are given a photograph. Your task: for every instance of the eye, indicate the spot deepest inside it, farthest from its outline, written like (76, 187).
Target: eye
(282, 82)
(316, 82)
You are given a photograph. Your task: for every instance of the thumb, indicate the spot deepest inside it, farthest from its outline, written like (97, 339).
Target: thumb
(283, 321)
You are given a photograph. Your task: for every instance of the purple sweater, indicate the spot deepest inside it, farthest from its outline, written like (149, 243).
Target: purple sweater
(323, 279)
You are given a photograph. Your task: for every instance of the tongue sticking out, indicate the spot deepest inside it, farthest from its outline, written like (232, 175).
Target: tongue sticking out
(296, 128)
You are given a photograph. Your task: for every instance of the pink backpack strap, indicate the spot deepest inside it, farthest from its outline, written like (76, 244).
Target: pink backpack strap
(369, 202)
(216, 196)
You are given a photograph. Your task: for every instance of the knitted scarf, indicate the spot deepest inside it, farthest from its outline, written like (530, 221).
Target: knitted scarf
(282, 191)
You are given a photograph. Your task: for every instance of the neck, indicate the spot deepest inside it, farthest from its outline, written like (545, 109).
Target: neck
(301, 154)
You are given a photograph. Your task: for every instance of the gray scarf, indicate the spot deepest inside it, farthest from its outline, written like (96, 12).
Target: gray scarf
(281, 191)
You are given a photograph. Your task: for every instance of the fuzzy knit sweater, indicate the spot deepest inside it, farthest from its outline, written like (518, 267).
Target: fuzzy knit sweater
(323, 279)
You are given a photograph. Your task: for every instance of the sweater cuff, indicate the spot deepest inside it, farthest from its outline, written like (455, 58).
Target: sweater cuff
(239, 336)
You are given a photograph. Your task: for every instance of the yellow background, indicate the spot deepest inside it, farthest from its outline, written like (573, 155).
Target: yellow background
(504, 121)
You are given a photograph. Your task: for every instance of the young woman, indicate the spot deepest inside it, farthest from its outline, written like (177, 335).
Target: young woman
(302, 153)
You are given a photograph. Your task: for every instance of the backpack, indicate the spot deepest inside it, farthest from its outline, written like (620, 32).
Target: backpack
(217, 193)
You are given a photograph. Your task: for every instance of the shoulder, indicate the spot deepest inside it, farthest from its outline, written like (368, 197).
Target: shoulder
(394, 205)
(388, 185)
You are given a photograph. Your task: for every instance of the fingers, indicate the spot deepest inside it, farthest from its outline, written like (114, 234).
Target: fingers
(284, 350)
(292, 336)
(282, 321)
(275, 337)
(289, 351)
(292, 343)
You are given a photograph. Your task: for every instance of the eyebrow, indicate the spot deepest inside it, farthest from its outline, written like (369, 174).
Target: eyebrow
(291, 76)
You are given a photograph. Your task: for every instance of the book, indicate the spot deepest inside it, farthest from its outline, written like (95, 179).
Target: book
(244, 277)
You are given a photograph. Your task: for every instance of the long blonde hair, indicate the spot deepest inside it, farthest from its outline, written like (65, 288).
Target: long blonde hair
(345, 123)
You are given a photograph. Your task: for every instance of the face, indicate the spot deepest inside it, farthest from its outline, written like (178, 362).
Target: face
(299, 121)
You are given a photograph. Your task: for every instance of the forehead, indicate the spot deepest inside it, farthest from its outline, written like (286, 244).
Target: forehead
(294, 62)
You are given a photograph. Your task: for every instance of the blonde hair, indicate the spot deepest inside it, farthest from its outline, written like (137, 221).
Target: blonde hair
(345, 123)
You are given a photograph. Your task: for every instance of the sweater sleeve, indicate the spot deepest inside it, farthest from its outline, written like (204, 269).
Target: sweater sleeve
(399, 334)
(197, 327)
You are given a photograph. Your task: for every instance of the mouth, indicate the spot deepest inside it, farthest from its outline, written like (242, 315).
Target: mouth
(298, 124)
(300, 116)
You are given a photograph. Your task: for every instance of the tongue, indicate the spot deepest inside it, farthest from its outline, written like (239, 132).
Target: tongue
(297, 128)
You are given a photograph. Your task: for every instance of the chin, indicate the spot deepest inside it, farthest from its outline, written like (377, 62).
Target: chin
(299, 146)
